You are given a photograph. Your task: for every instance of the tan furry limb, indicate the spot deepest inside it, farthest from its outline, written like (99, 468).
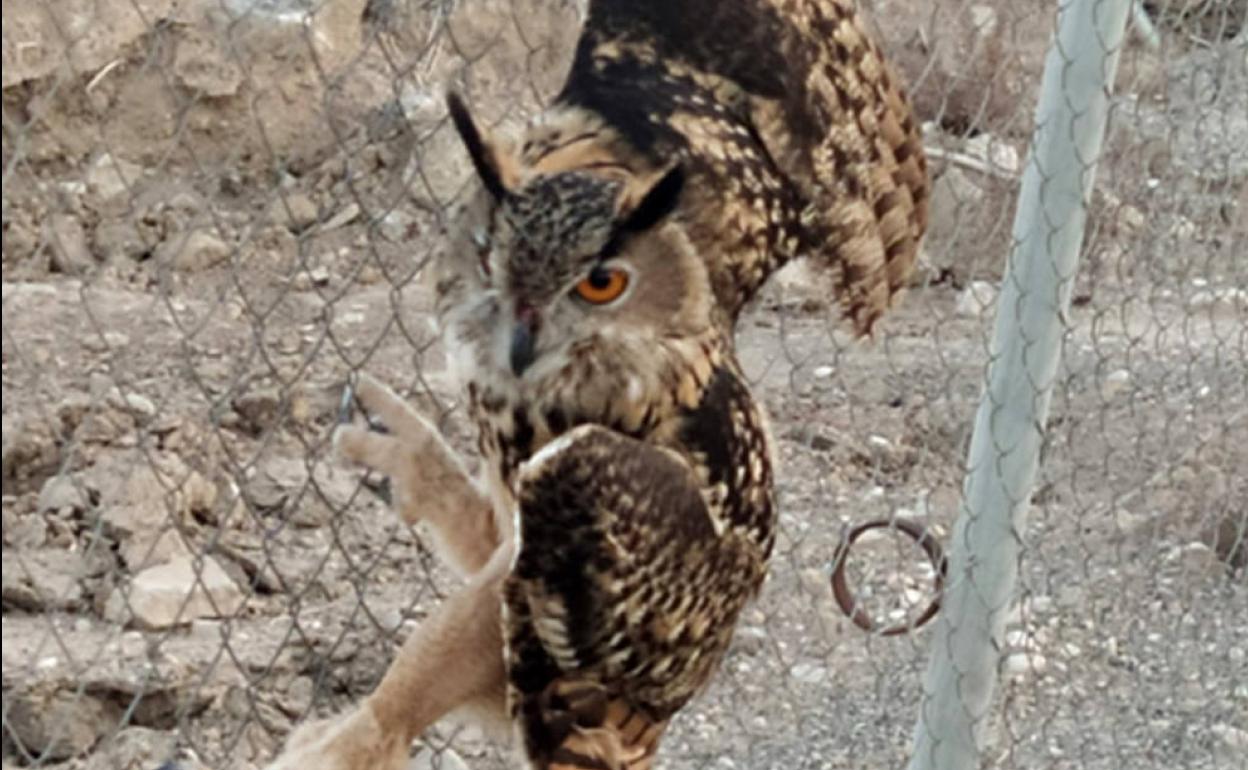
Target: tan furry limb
(452, 660)
(427, 477)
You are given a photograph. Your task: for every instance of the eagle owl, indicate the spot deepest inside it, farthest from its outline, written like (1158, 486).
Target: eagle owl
(588, 295)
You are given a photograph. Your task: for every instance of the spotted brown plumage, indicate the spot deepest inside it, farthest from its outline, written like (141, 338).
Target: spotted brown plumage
(796, 130)
(625, 512)
(626, 587)
(797, 141)
(625, 445)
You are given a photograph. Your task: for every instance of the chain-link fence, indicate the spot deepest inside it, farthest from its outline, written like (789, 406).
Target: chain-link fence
(216, 210)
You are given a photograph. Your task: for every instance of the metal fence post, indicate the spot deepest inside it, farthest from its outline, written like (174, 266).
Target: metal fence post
(1004, 453)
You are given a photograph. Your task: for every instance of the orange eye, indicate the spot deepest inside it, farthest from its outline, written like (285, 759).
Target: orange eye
(602, 285)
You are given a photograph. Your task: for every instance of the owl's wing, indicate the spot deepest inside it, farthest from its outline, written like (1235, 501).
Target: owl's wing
(845, 134)
(800, 129)
(621, 600)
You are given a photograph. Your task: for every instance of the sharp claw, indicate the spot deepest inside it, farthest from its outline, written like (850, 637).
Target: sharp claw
(346, 405)
(350, 404)
(380, 488)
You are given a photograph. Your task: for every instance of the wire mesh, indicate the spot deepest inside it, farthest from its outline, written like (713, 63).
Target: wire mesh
(214, 211)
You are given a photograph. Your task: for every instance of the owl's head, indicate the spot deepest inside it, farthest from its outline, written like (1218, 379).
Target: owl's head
(574, 253)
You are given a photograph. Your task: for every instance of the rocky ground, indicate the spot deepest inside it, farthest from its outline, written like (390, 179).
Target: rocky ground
(214, 211)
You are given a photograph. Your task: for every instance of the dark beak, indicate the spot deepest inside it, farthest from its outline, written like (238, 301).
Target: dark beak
(523, 340)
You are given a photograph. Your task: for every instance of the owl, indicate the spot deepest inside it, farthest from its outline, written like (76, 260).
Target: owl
(624, 512)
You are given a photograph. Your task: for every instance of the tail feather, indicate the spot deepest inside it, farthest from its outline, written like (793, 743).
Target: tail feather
(599, 734)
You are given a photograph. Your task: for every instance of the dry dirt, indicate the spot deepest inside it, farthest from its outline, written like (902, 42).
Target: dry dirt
(212, 216)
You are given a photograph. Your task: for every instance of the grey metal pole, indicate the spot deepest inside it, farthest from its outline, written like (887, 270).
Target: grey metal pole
(1144, 25)
(1026, 344)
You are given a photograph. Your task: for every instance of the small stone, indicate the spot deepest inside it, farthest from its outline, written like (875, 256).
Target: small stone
(119, 238)
(1201, 300)
(1190, 697)
(208, 629)
(30, 450)
(302, 409)
(814, 581)
(1019, 639)
(345, 216)
(104, 343)
(276, 480)
(43, 579)
(151, 548)
(70, 254)
(58, 725)
(1130, 220)
(193, 250)
(999, 154)
(1040, 605)
(109, 177)
(821, 443)
(296, 211)
(823, 372)
(879, 445)
(388, 619)
(299, 696)
(977, 299)
(984, 20)
(106, 427)
(60, 492)
(205, 65)
(139, 405)
(369, 275)
(397, 226)
(1183, 229)
(174, 594)
(749, 640)
(134, 748)
(142, 495)
(1233, 738)
(1115, 382)
(24, 531)
(319, 276)
(1197, 559)
(1228, 300)
(809, 673)
(259, 409)
(1019, 665)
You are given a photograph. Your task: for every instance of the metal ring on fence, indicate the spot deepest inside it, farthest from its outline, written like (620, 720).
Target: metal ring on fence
(845, 597)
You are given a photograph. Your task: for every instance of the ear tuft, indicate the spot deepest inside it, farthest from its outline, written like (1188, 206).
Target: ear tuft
(658, 202)
(484, 157)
